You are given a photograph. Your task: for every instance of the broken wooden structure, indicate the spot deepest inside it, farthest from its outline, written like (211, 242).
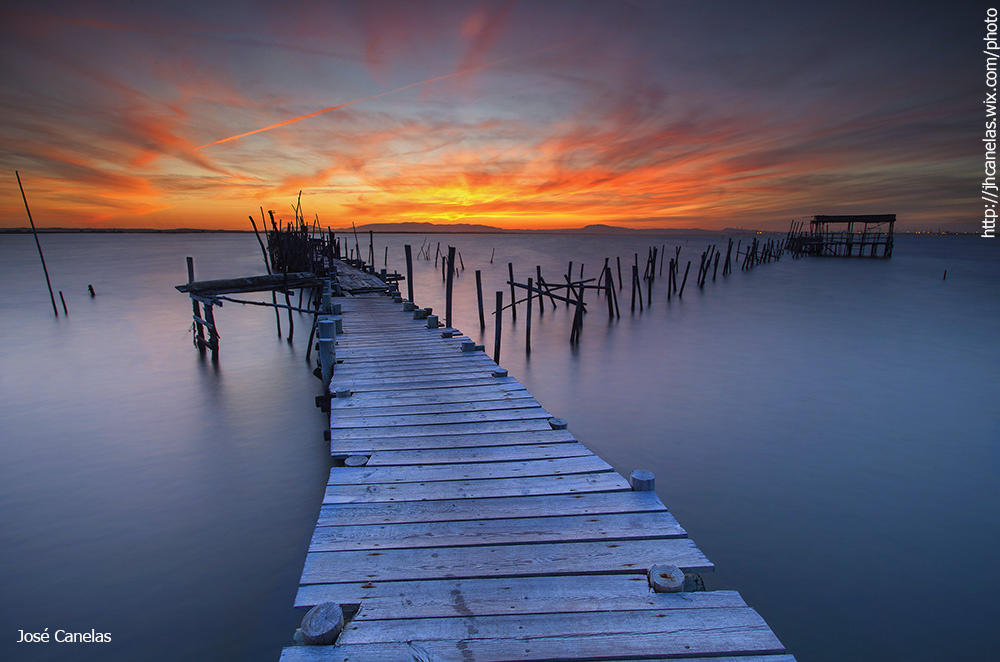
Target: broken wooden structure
(843, 236)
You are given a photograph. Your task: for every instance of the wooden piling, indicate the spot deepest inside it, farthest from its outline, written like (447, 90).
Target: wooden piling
(527, 319)
(479, 298)
(538, 283)
(326, 335)
(684, 282)
(213, 332)
(63, 300)
(497, 327)
(90, 288)
(38, 245)
(449, 287)
(408, 251)
(618, 259)
(196, 309)
(635, 280)
(513, 299)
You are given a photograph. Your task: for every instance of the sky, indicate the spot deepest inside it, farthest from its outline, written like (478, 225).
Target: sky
(513, 114)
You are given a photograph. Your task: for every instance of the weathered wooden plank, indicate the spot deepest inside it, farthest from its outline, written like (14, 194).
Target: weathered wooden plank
(685, 633)
(534, 595)
(446, 428)
(585, 528)
(342, 447)
(417, 372)
(606, 481)
(512, 400)
(362, 381)
(463, 472)
(340, 421)
(495, 595)
(629, 556)
(690, 625)
(484, 454)
(592, 503)
(502, 391)
(439, 652)
(424, 383)
(427, 362)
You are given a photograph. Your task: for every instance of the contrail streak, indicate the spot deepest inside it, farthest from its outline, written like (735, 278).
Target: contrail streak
(435, 79)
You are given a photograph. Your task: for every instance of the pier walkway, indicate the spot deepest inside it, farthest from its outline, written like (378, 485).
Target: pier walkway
(471, 529)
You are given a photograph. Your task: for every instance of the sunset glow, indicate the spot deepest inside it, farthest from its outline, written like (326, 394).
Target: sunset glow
(517, 115)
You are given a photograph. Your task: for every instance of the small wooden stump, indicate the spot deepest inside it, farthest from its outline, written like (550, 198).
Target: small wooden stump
(642, 480)
(420, 313)
(557, 423)
(666, 578)
(356, 461)
(408, 306)
(468, 346)
(479, 348)
(322, 624)
(500, 372)
(397, 299)
(343, 393)
(337, 309)
(432, 321)
(448, 333)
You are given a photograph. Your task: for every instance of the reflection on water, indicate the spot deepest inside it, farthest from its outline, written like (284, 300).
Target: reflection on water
(825, 429)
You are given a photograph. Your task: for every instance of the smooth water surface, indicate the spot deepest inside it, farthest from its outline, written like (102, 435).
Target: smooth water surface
(826, 430)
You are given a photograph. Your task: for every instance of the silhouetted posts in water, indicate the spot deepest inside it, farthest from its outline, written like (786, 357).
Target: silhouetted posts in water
(619, 260)
(196, 309)
(267, 265)
(38, 245)
(527, 321)
(684, 282)
(63, 300)
(513, 299)
(498, 327)
(479, 298)
(90, 288)
(409, 271)
(213, 334)
(449, 286)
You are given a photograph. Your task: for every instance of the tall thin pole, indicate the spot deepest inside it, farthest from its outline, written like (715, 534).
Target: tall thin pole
(479, 296)
(38, 245)
(498, 327)
(450, 286)
(409, 271)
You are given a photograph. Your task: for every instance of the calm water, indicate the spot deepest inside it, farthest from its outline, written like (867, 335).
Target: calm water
(826, 430)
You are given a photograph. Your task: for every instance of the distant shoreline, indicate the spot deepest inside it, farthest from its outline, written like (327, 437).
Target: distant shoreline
(446, 230)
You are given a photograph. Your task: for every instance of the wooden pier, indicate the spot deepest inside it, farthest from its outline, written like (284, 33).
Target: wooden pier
(463, 521)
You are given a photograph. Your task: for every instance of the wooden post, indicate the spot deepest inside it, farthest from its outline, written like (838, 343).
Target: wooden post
(635, 279)
(538, 282)
(498, 327)
(371, 251)
(90, 288)
(196, 309)
(527, 322)
(326, 335)
(513, 296)
(608, 290)
(450, 286)
(479, 298)
(642, 480)
(409, 271)
(619, 260)
(684, 282)
(37, 244)
(213, 332)
(63, 300)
